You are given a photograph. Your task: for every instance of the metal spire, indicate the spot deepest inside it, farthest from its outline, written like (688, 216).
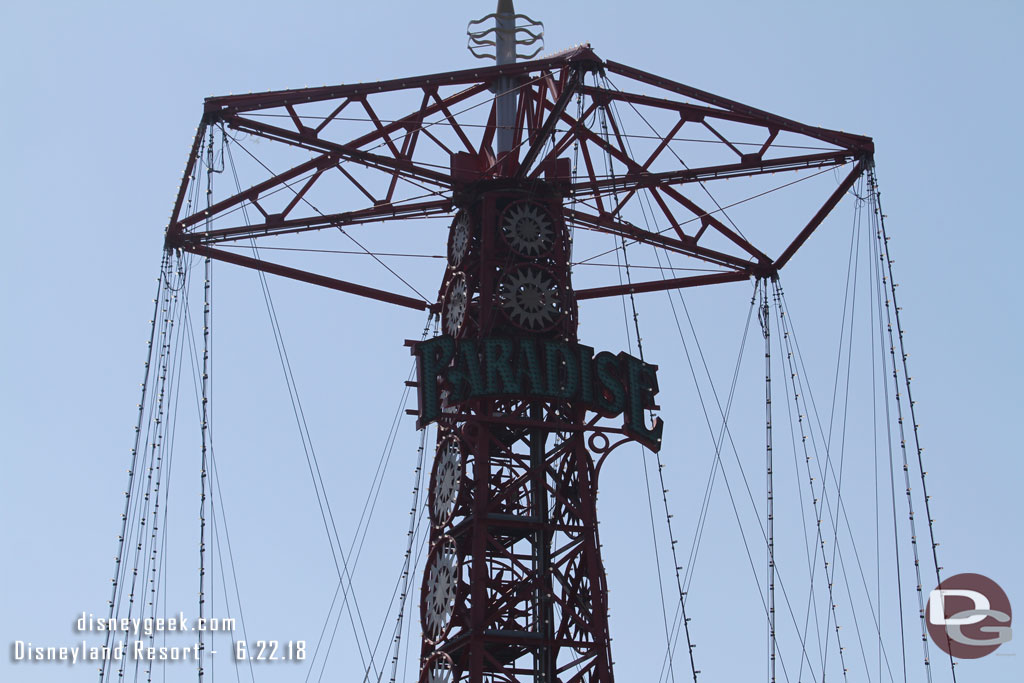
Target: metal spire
(507, 37)
(506, 34)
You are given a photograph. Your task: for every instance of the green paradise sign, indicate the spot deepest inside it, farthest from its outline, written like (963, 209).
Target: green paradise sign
(607, 383)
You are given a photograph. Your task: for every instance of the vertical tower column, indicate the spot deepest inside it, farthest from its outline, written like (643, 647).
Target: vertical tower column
(505, 53)
(514, 587)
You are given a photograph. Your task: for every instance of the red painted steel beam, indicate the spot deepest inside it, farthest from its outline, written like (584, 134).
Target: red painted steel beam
(621, 228)
(691, 112)
(219, 106)
(637, 177)
(687, 110)
(860, 143)
(660, 285)
(753, 167)
(416, 117)
(344, 151)
(372, 214)
(312, 165)
(568, 137)
(707, 218)
(826, 208)
(304, 276)
(575, 76)
(332, 157)
(173, 228)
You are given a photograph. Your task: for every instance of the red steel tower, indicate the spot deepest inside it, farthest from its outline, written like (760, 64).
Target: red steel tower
(514, 588)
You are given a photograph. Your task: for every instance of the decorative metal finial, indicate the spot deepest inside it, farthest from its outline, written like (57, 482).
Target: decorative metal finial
(507, 35)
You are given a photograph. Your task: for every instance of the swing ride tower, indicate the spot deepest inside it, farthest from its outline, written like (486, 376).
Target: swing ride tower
(514, 588)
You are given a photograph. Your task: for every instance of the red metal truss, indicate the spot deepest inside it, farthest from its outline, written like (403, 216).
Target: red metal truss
(514, 588)
(524, 499)
(406, 148)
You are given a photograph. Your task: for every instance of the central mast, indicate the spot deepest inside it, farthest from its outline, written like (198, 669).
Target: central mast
(505, 53)
(514, 587)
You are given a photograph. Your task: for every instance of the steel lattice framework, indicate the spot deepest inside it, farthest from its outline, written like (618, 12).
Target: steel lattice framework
(514, 588)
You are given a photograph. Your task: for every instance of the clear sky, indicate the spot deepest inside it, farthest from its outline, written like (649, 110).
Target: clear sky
(101, 100)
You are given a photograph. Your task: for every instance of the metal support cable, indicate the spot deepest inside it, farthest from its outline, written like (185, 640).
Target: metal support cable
(804, 633)
(906, 470)
(205, 412)
(343, 569)
(144, 386)
(605, 113)
(609, 167)
(840, 507)
(765, 320)
(837, 507)
(893, 315)
(231, 565)
(405, 578)
(795, 383)
(337, 552)
(876, 258)
(161, 444)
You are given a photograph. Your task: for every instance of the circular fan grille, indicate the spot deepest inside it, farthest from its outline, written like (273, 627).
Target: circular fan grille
(528, 229)
(446, 480)
(458, 242)
(438, 669)
(455, 304)
(531, 298)
(439, 588)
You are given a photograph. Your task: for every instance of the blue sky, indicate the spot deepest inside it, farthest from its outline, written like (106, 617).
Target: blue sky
(101, 104)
